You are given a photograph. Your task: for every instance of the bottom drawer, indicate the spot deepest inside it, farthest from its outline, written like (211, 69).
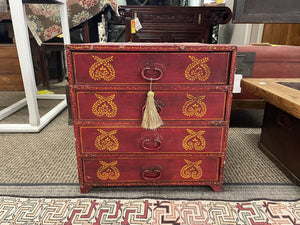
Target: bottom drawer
(110, 171)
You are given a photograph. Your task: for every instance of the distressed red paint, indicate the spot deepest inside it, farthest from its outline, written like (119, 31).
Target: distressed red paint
(163, 170)
(109, 140)
(163, 140)
(130, 105)
(170, 66)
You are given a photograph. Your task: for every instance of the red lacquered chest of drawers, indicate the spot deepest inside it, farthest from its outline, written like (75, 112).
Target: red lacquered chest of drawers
(193, 92)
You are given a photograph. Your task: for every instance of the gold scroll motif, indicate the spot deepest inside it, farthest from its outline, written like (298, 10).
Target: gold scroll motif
(102, 69)
(194, 141)
(194, 106)
(104, 106)
(107, 140)
(198, 69)
(108, 171)
(191, 170)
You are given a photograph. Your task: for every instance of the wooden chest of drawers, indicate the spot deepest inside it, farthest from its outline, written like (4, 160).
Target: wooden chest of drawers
(193, 94)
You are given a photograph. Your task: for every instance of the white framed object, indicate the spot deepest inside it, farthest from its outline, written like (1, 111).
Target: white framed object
(36, 123)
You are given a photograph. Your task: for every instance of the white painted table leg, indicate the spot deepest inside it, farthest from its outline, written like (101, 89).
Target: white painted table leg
(19, 21)
(65, 22)
(36, 123)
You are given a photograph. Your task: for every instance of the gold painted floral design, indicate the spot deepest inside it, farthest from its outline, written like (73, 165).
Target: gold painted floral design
(194, 141)
(198, 69)
(107, 140)
(102, 69)
(194, 106)
(108, 171)
(104, 106)
(191, 170)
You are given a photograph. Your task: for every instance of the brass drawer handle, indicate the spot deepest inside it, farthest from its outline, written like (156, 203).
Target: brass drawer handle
(149, 73)
(199, 18)
(151, 144)
(151, 174)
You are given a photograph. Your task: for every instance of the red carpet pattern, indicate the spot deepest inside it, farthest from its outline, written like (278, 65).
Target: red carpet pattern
(15, 210)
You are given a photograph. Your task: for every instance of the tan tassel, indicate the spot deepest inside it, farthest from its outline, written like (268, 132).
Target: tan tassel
(151, 118)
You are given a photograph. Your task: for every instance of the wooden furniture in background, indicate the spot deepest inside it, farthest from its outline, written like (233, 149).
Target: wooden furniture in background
(36, 122)
(282, 34)
(8, 53)
(52, 52)
(56, 50)
(268, 62)
(174, 24)
(10, 72)
(280, 135)
(5, 16)
(45, 16)
(193, 89)
(266, 11)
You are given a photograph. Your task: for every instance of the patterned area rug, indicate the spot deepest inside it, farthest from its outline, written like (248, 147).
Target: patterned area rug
(20, 210)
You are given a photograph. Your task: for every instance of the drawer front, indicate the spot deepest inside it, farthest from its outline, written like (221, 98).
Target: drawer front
(138, 68)
(163, 140)
(171, 105)
(150, 169)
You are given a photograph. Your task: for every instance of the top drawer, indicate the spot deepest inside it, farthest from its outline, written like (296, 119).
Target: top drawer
(140, 67)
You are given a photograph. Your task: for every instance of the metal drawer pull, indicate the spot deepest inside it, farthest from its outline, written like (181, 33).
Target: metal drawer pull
(153, 73)
(151, 144)
(151, 174)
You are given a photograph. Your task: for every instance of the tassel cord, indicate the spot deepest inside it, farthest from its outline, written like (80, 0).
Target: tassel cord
(151, 119)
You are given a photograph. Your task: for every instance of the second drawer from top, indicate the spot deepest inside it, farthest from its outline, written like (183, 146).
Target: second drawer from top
(122, 105)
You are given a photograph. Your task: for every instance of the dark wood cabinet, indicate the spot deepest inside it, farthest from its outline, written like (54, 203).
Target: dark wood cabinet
(280, 140)
(174, 24)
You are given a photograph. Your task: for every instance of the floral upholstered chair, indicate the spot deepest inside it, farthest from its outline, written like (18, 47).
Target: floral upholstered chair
(44, 20)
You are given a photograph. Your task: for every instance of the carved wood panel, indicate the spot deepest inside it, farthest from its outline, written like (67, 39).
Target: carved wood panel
(174, 24)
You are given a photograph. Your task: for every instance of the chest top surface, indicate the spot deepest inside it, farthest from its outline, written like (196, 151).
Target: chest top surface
(150, 47)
